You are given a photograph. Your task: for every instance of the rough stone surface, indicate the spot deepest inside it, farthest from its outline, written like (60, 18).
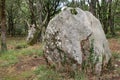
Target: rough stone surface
(73, 38)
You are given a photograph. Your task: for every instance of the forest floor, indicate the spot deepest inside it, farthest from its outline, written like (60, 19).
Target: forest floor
(23, 62)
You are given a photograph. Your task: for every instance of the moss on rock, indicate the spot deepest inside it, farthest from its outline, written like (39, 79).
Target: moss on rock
(73, 11)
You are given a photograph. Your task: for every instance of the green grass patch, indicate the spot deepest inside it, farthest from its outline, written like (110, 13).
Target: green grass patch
(21, 45)
(80, 76)
(116, 55)
(11, 56)
(27, 74)
(15, 41)
(8, 58)
(43, 73)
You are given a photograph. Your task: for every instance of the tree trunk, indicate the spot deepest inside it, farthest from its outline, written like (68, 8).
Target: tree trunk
(3, 26)
(32, 12)
(82, 4)
(111, 18)
(92, 4)
(104, 7)
(39, 13)
(11, 29)
(98, 13)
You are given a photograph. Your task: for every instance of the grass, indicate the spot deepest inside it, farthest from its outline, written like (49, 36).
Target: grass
(80, 76)
(11, 56)
(43, 73)
(116, 55)
(17, 48)
(27, 74)
(18, 51)
(21, 76)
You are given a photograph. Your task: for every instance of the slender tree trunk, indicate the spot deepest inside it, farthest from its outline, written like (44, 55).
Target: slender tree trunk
(104, 7)
(92, 4)
(3, 26)
(11, 29)
(111, 18)
(98, 10)
(39, 8)
(32, 11)
(48, 10)
(82, 4)
(74, 3)
(39, 11)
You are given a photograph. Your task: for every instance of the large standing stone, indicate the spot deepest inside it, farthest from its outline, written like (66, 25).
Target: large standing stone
(76, 37)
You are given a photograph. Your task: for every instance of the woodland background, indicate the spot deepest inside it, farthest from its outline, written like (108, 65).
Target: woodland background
(19, 61)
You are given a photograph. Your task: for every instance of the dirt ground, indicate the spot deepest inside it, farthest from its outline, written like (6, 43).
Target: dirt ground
(31, 62)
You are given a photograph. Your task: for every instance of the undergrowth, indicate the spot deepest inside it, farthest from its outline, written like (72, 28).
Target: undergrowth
(17, 47)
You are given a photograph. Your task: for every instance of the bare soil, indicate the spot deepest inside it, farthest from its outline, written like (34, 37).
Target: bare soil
(31, 62)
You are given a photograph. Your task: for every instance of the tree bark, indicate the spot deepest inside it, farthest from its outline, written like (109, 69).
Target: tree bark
(32, 12)
(98, 10)
(11, 29)
(104, 7)
(92, 4)
(111, 18)
(3, 26)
